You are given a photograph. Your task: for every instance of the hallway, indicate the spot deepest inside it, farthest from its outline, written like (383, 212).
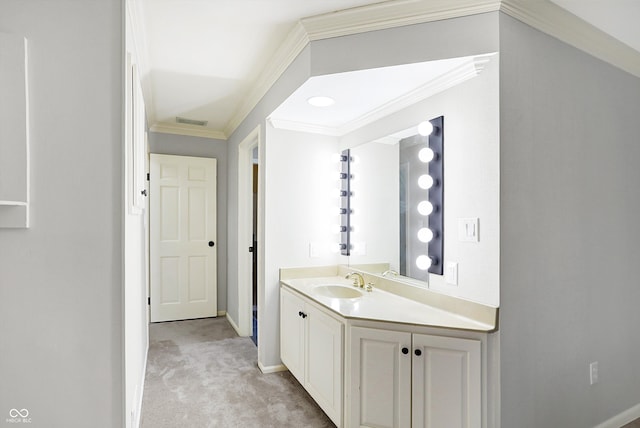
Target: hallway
(201, 374)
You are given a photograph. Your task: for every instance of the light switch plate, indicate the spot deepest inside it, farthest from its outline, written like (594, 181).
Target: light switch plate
(451, 273)
(314, 250)
(468, 229)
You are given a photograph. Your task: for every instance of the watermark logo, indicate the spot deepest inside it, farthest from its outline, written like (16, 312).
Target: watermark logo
(18, 416)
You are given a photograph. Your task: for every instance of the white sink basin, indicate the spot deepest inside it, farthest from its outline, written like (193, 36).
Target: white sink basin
(336, 291)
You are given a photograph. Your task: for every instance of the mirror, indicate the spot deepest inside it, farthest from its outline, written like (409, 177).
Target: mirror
(397, 194)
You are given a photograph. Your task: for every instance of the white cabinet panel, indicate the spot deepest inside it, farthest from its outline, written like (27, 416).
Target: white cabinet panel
(446, 382)
(400, 379)
(324, 361)
(292, 334)
(311, 346)
(380, 378)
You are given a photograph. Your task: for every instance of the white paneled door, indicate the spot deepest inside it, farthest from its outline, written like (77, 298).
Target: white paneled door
(183, 237)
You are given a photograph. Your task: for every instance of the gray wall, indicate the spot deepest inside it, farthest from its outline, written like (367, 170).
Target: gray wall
(570, 150)
(61, 338)
(170, 144)
(296, 74)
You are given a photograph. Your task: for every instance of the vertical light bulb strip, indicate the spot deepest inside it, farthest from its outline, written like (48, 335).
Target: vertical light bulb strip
(421, 158)
(436, 196)
(345, 202)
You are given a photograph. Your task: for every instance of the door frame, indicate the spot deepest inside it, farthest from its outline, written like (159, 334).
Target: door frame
(245, 228)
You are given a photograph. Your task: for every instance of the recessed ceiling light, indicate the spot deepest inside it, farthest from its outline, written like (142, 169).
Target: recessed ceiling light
(321, 101)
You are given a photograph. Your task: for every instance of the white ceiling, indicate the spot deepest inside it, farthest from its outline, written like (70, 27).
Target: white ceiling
(204, 55)
(366, 95)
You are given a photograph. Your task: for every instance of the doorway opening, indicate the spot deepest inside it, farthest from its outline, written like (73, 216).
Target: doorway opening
(254, 248)
(248, 235)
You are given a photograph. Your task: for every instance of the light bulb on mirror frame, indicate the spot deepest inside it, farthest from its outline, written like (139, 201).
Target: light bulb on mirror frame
(425, 128)
(426, 155)
(337, 158)
(425, 235)
(423, 262)
(425, 181)
(425, 207)
(338, 228)
(337, 247)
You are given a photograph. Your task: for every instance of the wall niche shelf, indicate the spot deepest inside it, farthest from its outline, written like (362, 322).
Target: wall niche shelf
(14, 132)
(14, 203)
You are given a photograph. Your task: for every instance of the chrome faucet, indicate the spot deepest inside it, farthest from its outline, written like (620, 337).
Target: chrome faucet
(358, 279)
(390, 271)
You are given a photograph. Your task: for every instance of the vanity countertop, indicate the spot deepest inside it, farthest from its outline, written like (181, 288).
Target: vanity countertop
(380, 305)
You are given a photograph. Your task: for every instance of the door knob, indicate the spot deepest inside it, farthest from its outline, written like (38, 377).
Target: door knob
(418, 352)
(251, 249)
(405, 351)
(211, 243)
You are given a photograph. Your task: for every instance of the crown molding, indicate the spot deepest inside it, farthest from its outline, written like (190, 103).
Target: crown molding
(454, 77)
(378, 16)
(391, 14)
(389, 139)
(557, 22)
(540, 14)
(188, 130)
(295, 42)
(449, 79)
(311, 128)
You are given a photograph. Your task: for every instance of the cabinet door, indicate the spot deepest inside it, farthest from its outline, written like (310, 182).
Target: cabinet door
(323, 379)
(446, 382)
(380, 378)
(292, 333)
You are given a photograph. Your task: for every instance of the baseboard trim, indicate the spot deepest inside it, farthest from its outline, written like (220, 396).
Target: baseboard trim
(222, 313)
(233, 324)
(622, 418)
(272, 369)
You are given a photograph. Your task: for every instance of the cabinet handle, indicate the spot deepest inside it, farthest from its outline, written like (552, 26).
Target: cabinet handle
(299, 313)
(418, 352)
(304, 315)
(405, 351)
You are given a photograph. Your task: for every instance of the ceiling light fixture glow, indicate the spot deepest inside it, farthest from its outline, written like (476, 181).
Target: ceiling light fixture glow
(321, 101)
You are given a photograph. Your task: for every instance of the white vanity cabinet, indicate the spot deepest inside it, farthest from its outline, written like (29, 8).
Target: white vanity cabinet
(404, 379)
(311, 346)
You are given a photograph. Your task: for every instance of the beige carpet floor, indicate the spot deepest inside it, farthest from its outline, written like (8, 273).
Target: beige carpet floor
(200, 374)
